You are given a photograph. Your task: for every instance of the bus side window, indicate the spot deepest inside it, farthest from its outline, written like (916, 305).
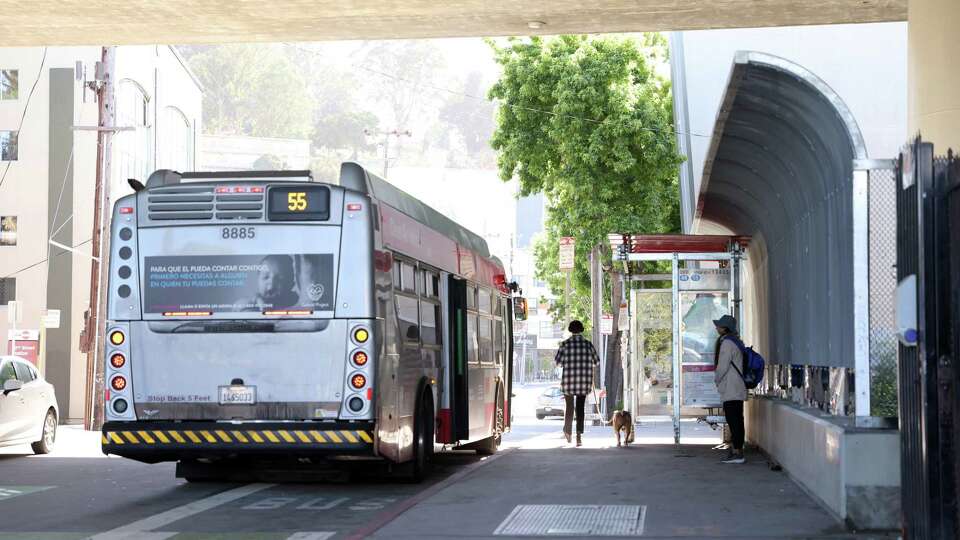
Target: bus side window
(473, 345)
(430, 322)
(486, 340)
(484, 301)
(396, 275)
(408, 277)
(472, 297)
(498, 342)
(409, 319)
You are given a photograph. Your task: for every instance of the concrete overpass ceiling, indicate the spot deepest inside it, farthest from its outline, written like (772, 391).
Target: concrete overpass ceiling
(779, 169)
(125, 22)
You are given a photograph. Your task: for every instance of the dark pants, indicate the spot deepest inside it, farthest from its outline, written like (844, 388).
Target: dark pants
(568, 413)
(733, 410)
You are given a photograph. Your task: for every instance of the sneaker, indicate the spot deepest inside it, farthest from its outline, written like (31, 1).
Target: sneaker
(736, 459)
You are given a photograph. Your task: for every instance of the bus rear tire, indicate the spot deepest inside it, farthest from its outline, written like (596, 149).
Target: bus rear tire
(423, 438)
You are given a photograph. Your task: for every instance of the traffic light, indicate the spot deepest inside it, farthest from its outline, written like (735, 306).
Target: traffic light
(519, 308)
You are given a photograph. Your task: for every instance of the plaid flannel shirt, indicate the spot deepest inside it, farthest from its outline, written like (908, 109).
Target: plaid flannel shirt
(577, 357)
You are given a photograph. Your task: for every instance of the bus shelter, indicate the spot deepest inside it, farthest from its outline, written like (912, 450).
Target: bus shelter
(679, 284)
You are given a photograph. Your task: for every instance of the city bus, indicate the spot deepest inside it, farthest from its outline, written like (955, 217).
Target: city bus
(263, 315)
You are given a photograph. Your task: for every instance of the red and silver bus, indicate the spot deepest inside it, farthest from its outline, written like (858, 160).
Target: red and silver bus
(264, 315)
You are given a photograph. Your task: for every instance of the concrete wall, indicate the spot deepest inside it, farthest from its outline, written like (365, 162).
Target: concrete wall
(854, 473)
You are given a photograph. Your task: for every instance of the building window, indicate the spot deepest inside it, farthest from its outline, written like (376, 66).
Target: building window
(8, 290)
(8, 230)
(550, 330)
(8, 145)
(134, 149)
(176, 142)
(9, 84)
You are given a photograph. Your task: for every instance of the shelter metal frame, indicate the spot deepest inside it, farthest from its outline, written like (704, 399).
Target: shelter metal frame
(676, 249)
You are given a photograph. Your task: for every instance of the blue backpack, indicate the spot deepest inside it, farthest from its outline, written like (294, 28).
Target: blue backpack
(753, 365)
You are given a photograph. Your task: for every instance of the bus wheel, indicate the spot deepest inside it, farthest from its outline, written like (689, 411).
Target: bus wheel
(488, 446)
(423, 426)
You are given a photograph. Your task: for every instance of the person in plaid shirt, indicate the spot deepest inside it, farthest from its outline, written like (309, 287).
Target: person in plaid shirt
(577, 357)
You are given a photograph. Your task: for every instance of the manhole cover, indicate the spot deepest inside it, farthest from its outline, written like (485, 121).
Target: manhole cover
(573, 520)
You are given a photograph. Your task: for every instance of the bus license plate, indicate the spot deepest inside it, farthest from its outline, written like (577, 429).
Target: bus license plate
(238, 395)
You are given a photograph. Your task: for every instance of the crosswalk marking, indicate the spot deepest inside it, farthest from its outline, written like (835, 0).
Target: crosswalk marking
(311, 535)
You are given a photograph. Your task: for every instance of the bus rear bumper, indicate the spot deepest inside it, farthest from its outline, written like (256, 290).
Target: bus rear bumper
(172, 441)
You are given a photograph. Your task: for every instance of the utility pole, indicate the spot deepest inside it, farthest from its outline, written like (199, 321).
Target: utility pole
(386, 143)
(94, 324)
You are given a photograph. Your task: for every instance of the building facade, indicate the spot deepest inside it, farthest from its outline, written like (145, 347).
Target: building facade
(48, 162)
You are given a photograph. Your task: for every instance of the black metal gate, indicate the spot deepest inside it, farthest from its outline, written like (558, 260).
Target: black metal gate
(928, 247)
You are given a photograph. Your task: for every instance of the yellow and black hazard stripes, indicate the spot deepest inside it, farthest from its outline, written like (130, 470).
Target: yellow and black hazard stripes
(116, 437)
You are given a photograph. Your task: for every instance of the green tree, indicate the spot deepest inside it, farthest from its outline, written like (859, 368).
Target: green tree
(252, 89)
(466, 124)
(588, 122)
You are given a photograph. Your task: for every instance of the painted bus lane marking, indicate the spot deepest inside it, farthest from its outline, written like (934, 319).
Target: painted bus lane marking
(156, 521)
(9, 492)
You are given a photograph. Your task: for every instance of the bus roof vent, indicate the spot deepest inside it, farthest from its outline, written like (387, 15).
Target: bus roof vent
(192, 203)
(180, 203)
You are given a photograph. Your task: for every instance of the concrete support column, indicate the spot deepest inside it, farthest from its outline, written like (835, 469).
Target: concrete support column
(934, 80)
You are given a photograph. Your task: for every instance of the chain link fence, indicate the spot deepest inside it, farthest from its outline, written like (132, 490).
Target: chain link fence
(883, 285)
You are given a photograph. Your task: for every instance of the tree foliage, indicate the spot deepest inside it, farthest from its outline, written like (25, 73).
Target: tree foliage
(252, 90)
(587, 121)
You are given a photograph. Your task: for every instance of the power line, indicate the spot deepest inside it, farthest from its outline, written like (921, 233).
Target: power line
(26, 105)
(38, 263)
(497, 101)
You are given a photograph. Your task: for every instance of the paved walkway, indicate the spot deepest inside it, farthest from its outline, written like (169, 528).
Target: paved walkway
(657, 490)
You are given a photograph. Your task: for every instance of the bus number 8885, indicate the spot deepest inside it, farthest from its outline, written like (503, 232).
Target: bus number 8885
(238, 233)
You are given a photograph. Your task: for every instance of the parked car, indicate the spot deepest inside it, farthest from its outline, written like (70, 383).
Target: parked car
(28, 406)
(550, 403)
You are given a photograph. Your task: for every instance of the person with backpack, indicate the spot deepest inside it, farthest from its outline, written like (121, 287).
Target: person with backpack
(728, 375)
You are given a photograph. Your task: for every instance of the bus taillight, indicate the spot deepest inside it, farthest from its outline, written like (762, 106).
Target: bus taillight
(118, 383)
(358, 381)
(360, 358)
(118, 360)
(355, 404)
(117, 337)
(361, 335)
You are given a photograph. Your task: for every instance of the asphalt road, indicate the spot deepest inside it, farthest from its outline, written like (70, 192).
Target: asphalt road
(76, 492)
(652, 488)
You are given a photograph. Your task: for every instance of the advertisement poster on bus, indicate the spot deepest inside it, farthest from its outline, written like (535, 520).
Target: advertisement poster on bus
(244, 283)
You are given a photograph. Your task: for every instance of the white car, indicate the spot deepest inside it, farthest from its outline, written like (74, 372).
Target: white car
(551, 403)
(28, 406)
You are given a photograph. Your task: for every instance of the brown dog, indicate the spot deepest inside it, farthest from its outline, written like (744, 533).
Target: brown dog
(623, 421)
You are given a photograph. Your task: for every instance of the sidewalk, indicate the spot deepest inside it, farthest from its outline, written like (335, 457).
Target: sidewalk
(657, 490)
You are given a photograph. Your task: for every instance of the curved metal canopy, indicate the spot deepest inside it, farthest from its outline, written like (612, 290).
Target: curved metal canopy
(780, 169)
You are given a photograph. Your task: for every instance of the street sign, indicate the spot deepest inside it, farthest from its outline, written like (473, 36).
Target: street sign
(14, 312)
(567, 245)
(24, 344)
(606, 324)
(51, 319)
(23, 335)
(705, 279)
